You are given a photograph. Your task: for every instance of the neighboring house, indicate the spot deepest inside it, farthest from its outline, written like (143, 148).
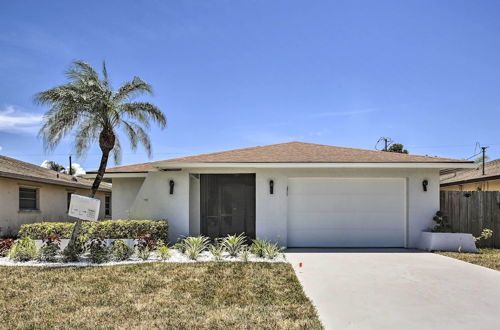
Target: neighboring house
(473, 179)
(302, 194)
(31, 193)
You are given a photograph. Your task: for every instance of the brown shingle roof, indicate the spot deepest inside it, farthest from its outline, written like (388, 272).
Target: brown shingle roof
(16, 169)
(291, 152)
(301, 152)
(134, 168)
(491, 171)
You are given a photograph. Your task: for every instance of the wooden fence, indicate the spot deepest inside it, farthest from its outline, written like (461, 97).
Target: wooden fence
(473, 211)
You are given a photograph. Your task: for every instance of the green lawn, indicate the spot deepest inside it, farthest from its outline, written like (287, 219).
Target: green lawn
(156, 295)
(486, 257)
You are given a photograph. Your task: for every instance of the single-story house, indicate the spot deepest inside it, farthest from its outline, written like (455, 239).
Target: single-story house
(31, 193)
(473, 179)
(301, 194)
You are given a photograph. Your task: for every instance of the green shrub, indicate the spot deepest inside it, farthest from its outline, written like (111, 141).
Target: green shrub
(23, 250)
(442, 223)
(163, 251)
(485, 234)
(73, 253)
(144, 252)
(179, 245)
(49, 250)
(98, 251)
(233, 244)
(195, 245)
(144, 246)
(111, 229)
(121, 251)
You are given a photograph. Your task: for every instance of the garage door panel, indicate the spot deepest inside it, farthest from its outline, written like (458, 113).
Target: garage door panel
(350, 204)
(346, 212)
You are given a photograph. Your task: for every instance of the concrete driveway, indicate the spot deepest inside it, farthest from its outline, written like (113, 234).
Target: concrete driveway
(397, 289)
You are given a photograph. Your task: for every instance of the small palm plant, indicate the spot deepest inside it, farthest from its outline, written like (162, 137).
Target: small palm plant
(272, 250)
(194, 246)
(245, 254)
(258, 246)
(233, 244)
(217, 250)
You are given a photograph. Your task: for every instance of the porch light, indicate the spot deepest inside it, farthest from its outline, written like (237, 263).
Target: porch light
(172, 183)
(271, 187)
(424, 184)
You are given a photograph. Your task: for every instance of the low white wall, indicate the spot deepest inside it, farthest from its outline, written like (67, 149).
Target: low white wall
(153, 199)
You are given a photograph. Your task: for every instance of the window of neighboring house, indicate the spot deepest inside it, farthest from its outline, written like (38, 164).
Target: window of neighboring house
(28, 198)
(68, 200)
(107, 206)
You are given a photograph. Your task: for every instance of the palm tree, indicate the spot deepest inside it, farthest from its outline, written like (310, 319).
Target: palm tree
(90, 107)
(54, 166)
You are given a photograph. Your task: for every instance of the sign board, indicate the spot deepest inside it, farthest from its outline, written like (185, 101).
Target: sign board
(84, 208)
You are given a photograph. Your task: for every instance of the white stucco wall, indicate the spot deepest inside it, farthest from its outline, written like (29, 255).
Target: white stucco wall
(194, 208)
(154, 201)
(125, 191)
(52, 204)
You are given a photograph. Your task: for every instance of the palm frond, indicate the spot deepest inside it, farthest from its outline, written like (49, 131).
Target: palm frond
(138, 110)
(105, 75)
(86, 135)
(131, 89)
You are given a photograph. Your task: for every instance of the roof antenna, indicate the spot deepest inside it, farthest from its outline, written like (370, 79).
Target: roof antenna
(70, 166)
(387, 142)
(484, 156)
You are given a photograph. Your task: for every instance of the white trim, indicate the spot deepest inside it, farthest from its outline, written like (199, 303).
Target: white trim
(117, 175)
(311, 165)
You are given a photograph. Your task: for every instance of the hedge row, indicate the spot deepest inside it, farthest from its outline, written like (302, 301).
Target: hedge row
(112, 229)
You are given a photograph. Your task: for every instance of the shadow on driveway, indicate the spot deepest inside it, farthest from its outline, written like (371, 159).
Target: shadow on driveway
(352, 250)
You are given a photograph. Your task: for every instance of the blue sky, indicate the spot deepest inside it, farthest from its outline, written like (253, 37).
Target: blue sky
(231, 74)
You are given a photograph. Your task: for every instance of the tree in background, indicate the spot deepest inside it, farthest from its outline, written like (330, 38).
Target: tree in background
(89, 106)
(397, 147)
(479, 160)
(54, 166)
(51, 165)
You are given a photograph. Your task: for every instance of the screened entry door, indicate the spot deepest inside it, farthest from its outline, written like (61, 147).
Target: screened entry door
(227, 205)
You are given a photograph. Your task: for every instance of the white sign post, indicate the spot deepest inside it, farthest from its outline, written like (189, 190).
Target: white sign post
(84, 208)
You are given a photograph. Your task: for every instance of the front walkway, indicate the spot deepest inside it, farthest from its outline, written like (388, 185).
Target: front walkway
(397, 289)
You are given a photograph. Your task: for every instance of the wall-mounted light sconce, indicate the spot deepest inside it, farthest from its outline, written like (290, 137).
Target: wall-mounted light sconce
(172, 183)
(271, 187)
(424, 184)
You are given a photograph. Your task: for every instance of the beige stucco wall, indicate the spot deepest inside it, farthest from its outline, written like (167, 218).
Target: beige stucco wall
(492, 185)
(52, 204)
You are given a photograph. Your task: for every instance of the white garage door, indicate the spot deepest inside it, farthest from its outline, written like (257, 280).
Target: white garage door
(341, 212)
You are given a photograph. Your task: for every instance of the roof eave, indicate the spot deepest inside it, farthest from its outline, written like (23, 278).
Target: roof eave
(111, 175)
(439, 165)
(467, 181)
(48, 181)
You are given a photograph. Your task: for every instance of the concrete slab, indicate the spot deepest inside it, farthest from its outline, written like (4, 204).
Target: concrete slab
(397, 289)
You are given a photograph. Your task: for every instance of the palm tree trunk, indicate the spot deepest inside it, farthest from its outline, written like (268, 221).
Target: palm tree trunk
(93, 190)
